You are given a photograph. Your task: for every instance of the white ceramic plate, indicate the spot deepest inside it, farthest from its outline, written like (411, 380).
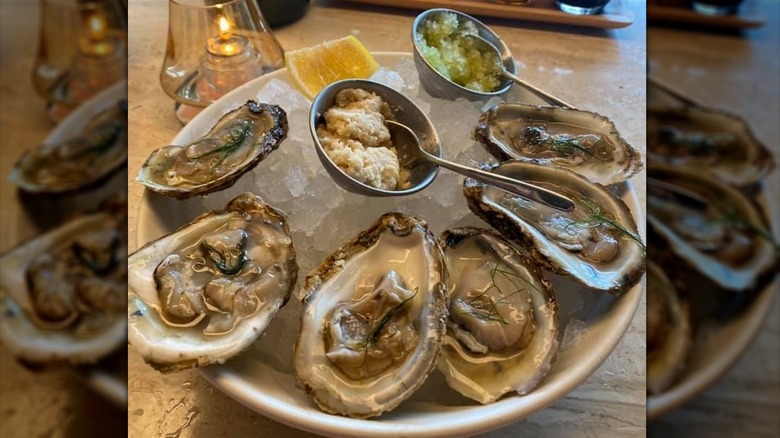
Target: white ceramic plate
(713, 355)
(263, 377)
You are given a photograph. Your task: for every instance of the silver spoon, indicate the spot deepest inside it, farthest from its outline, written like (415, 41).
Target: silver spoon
(409, 151)
(485, 47)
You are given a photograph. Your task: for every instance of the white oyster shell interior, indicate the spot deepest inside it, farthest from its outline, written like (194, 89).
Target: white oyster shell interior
(503, 326)
(372, 324)
(192, 302)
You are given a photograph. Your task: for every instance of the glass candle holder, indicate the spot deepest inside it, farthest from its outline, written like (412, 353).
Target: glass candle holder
(213, 47)
(82, 49)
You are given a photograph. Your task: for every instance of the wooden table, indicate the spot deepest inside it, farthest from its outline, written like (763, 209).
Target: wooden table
(738, 73)
(600, 70)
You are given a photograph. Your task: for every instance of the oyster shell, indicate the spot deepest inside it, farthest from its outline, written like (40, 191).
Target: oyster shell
(205, 292)
(239, 141)
(502, 331)
(596, 244)
(62, 292)
(728, 241)
(79, 163)
(373, 319)
(669, 333)
(581, 141)
(708, 139)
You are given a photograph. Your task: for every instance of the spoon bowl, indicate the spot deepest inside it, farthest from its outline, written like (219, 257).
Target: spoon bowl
(422, 173)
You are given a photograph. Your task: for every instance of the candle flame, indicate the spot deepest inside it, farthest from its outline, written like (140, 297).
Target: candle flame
(96, 27)
(225, 28)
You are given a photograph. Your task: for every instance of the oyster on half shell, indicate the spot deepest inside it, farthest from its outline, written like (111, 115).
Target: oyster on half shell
(728, 242)
(596, 244)
(62, 294)
(79, 163)
(207, 291)
(581, 141)
(239, 141)
(373, 319)
(502, 331)
(709, 139)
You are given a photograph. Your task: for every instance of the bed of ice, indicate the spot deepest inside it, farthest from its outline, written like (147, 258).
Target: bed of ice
(323, 216)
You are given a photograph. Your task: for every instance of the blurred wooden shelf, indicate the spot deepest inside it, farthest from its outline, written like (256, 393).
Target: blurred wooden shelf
(614, 15)
(747, 17)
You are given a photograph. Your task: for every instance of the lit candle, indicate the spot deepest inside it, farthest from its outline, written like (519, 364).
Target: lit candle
(226, 44)
(96, 41)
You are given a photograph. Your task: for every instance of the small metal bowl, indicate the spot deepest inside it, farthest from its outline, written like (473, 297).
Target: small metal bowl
(405, 112)
(437, 85)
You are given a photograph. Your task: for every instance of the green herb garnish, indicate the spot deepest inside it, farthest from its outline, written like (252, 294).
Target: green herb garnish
(732, 219)
(492, 313)
(596, 218)
(228, 262)
(101, 139)
(565, 146)
(231, 142)
(373, 335)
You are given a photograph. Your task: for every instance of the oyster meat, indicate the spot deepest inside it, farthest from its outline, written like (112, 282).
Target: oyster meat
(239, 141)
(207, 291)
(581, 141)
(707, 139)
(597, 244)
(62, 294)
(79, 163)
(373, 319)
(669, 333)
(503, 321)
(728, 241)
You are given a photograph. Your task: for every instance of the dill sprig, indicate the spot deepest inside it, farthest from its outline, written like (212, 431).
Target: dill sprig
(596, 218)
(101, 139)
(697, 143)
(228, 263)
(566, 146)
(373, 335)
(732, 219)
(493, 313)
(231, 142)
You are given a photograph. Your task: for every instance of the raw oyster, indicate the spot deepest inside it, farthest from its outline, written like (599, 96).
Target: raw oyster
(596, 244)
(79, 163)
(728, 241)
(373, 319)
(207, 291)
(581, 141)
(503, 325)
(669, 334)
(62, 294)
(239, 141)
(708, 139)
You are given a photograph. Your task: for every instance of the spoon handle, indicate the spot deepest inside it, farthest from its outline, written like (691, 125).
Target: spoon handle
(511, 185)
(549, 98)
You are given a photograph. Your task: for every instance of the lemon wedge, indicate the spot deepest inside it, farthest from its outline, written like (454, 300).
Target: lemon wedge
(314, 68)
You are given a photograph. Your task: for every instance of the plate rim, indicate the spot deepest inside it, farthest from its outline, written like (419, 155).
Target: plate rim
(503, 412)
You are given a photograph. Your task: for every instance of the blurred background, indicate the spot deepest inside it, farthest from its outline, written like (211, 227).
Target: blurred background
(713, 136)
(63, 148)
